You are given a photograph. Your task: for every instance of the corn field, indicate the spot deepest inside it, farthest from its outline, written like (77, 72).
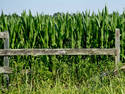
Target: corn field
(80, 30)
(76, 30)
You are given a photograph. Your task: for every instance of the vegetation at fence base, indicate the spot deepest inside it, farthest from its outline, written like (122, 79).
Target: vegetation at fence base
(78, 30)
(66, 80)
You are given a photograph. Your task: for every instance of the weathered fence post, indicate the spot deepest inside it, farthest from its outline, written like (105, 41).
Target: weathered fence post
(6, 59)
(117, 47)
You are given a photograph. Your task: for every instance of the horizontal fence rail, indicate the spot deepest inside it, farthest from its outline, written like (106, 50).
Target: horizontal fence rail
(36, 52)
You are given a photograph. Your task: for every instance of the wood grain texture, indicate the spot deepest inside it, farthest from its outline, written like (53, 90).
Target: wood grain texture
(5, 69)
(117, 46)
(6, 58)
(6, 46)
(4, 34)
(36, 52)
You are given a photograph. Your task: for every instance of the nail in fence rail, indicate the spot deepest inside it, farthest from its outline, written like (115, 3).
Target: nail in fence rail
(94, 51)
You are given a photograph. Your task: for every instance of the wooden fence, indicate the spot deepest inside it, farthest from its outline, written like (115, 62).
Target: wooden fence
(35, 52)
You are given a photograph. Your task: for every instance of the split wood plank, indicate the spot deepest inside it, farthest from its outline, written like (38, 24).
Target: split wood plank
(36, 52)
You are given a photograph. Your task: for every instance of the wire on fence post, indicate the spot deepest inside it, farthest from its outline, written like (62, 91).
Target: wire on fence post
(6, 59)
